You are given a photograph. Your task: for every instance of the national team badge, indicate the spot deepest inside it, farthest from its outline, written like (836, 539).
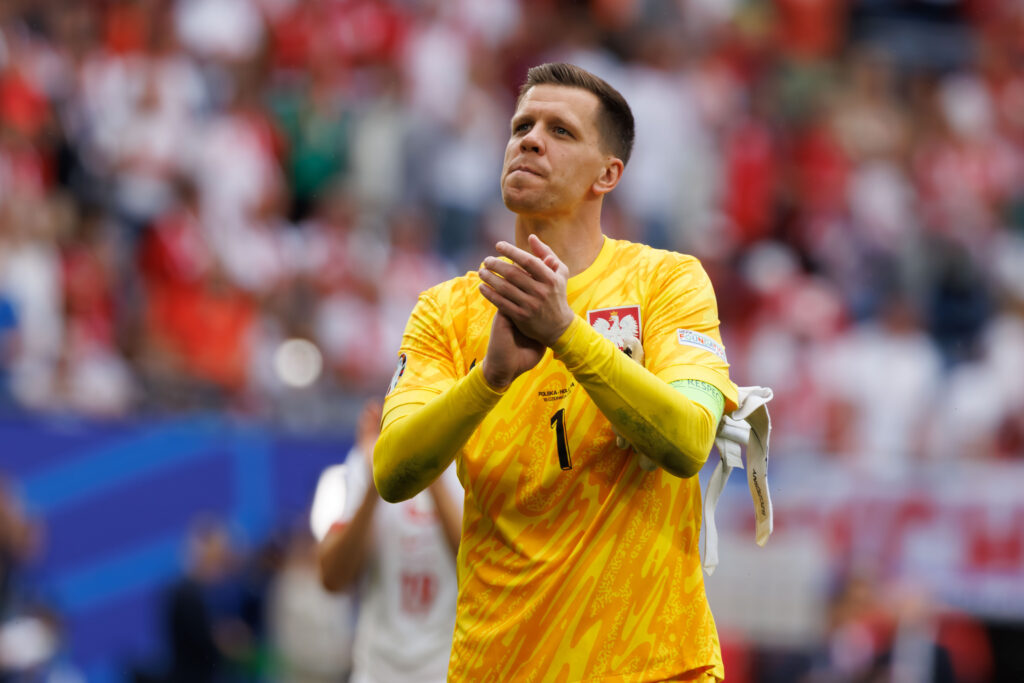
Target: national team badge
(616, 324)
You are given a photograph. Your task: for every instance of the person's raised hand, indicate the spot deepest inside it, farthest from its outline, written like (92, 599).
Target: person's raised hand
(368, 429)
(510, 353)
(530, 291)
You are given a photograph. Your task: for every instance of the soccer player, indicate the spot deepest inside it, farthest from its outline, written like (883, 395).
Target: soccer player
(576, 563)
(399, 559)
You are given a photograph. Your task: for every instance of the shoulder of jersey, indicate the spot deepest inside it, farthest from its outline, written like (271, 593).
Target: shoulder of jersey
(455, 286)
(656, 258)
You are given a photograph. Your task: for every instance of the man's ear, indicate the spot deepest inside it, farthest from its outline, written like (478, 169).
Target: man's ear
(611, 173)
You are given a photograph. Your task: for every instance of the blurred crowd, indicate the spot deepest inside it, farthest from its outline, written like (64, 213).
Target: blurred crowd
(187, 185)
(244, 615)
(239, 612)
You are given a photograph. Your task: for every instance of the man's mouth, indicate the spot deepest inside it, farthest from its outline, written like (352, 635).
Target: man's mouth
(524, 169)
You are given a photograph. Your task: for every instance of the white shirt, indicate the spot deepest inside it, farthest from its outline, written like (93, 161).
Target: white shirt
(408, 590)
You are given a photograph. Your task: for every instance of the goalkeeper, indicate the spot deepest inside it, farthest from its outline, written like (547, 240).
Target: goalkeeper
(576, 563)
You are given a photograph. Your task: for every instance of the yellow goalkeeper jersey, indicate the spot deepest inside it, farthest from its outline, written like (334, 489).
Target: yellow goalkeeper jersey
(575, 564)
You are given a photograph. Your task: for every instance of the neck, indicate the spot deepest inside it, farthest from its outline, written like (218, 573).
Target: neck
(577, 244)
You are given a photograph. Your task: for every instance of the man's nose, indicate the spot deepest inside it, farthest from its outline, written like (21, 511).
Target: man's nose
(531, 142)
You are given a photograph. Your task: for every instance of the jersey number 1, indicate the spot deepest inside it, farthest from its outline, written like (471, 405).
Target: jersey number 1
(558, 422)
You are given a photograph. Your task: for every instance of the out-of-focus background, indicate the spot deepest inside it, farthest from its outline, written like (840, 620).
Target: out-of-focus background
(216, 215)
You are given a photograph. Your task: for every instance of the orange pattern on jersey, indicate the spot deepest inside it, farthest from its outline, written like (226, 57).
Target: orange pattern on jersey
(591, 573)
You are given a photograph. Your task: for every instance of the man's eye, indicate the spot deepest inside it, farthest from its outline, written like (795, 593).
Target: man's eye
(521, 127)
(561, 131)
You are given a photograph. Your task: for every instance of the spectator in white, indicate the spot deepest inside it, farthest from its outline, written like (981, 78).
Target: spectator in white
(380, 138)
(984, 395)
(30, 281)
(236, 171)
(435, 63)
(227, 30)
(800, 320)
(672, 183)
(886, 417)
(148, 153)
(163, 95)
(400, 559)
(461, 185)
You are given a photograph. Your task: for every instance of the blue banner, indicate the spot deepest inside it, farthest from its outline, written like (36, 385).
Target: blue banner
(115, 501)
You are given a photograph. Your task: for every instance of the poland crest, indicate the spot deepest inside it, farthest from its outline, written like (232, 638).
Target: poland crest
(616, 324)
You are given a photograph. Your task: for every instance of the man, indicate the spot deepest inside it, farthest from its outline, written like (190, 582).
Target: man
(400, 559)
(209, 640)
(576, 563)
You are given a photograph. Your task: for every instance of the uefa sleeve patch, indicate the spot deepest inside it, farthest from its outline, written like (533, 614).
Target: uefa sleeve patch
(701, 341)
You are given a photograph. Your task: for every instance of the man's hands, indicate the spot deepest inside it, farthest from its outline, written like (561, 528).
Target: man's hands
(510, 353)
(533, 311)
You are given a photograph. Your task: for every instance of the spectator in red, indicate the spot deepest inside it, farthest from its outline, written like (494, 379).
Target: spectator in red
(197, 321)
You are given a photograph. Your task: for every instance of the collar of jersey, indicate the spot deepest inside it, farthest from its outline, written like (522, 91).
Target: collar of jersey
(580, 281)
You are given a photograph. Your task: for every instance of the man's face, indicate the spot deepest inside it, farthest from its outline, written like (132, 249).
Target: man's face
(554, 154)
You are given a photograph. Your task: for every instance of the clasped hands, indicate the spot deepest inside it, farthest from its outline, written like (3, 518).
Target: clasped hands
(533, 310)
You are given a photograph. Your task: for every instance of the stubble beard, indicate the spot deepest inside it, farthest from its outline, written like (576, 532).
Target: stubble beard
(525, 200)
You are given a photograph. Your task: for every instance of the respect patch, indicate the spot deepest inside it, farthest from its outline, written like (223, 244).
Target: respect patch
(701, 341)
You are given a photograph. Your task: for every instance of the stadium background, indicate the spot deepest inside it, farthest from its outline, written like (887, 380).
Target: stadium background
(215, 216)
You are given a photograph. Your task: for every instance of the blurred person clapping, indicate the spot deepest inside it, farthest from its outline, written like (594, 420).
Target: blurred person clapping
(398, 558)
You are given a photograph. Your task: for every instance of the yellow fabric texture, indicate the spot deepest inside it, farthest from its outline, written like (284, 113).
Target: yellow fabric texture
(589, 573)
(653, 416)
